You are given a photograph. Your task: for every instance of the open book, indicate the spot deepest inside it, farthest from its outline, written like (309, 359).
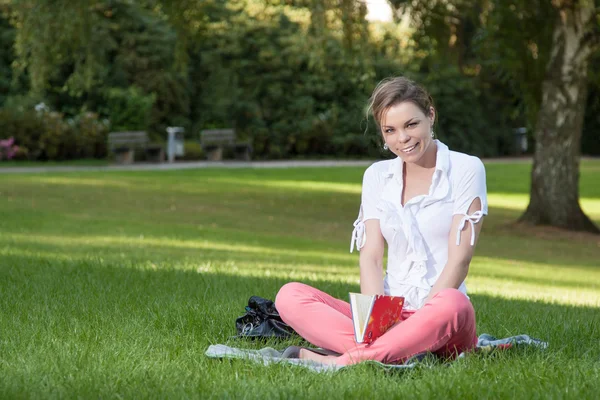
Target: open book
(372, 315)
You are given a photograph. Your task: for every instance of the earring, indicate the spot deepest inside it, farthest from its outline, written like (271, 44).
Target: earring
(385, 147)
(432, 134)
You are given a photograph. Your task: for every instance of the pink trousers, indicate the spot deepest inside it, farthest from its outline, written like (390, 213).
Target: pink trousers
(445, 325)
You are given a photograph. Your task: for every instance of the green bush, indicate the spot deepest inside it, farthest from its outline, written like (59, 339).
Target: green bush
(89, 136)
(54, 139)
(47, 135)
(127, 109)
(26, 127)
(192, 151)
(22, 154)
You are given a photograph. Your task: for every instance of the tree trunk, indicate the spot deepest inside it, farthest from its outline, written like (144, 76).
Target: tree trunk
(555, 176)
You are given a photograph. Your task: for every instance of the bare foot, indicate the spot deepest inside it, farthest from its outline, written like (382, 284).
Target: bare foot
(309, 355)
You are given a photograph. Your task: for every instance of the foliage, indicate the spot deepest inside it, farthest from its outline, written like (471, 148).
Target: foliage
(292, 76)
(101, 48)
(145, 59)
(46, 135)
(192, 151)
(7, 38)
(88, 136)
(514, 37)
(127, 109)
(466, 118)
(289, 98)
(26, 127)
(8, 149)
(62, 44)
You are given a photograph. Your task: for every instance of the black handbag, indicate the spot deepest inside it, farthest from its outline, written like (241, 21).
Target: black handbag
(262, 320)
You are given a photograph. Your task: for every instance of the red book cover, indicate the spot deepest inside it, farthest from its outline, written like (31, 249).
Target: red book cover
(385, 313)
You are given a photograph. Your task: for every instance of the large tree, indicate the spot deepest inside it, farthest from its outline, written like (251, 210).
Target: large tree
(555, 175)
(541, 50)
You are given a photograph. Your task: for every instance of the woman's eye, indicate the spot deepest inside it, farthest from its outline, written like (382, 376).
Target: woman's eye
(412, 124)
(389, 130)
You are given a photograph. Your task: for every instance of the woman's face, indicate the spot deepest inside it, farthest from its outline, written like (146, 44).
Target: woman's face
(407, 131)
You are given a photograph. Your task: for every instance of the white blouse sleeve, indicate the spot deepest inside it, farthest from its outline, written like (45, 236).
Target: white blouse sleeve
(472, 185)
(368, 208)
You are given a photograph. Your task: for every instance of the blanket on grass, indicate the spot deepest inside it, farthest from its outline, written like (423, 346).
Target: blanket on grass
(268, 355)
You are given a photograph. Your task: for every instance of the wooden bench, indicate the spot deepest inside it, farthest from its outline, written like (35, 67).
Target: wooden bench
(124, 144)
(214, 141)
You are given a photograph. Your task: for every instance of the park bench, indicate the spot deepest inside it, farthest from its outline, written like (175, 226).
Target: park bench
(124, 145)
(215, 141)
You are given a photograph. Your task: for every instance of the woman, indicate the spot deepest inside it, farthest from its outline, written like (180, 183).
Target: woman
(427, 204)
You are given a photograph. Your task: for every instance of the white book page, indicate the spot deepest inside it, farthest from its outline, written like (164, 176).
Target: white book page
(361, 309)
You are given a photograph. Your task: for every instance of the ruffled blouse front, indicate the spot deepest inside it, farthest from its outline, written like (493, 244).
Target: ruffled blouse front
(417, 233)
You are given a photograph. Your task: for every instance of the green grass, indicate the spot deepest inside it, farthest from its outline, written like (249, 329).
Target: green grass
(113, 285)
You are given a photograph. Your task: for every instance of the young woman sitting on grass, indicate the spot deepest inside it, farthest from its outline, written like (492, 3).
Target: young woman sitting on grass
(428, 205)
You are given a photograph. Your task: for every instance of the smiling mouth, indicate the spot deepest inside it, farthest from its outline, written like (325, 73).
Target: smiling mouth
(411, 149)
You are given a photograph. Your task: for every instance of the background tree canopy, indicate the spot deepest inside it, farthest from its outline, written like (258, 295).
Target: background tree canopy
(292, 76)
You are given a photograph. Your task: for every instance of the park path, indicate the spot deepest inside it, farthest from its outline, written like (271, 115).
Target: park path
(219, 164)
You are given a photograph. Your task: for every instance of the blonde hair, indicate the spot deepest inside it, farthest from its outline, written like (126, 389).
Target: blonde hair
(392, 91)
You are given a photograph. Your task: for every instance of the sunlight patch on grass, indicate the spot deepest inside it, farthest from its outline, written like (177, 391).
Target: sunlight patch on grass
(513, 279)
(37, 254)
(569, 284)
(69, 181)
(293, 184)
(505, 288)
(520, 201)
(508, 200)
(571, 276)
(297, 272)
(142, 241)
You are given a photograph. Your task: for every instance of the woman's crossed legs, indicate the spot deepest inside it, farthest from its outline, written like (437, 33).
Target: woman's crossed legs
(445, 325)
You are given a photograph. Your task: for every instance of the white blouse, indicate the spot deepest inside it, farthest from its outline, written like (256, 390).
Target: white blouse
(417, 234)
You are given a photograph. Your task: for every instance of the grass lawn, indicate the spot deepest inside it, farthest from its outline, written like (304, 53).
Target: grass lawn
(113, 285)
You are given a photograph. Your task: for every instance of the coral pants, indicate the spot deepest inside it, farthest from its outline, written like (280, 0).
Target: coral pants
(445, 325)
